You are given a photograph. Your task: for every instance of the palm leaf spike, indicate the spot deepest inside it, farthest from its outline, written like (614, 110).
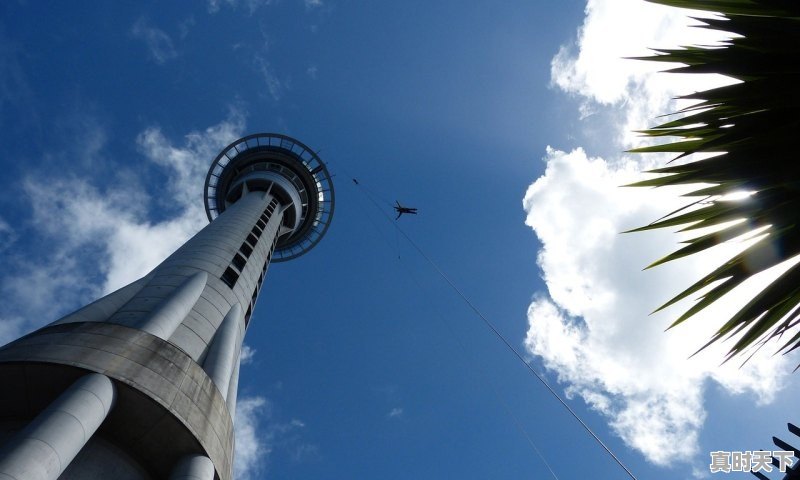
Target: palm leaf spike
(752, 125)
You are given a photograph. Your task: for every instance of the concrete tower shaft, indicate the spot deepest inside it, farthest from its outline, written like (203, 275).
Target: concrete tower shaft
(160, 357)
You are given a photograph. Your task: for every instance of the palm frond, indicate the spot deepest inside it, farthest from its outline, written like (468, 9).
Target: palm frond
(752, 126)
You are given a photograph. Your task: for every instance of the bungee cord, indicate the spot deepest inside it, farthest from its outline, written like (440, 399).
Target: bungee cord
(467, 354)
(372, 198)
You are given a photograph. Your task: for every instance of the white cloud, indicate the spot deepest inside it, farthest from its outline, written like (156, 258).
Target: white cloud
(313, 3)
(93, 230)
(596, 68)
(304, 452)
(246, 357)
(185, 26)
(100, 238)
(159, 44)
(250, 450)
(61, 277)
(213, 6)
(593, 328)
(395, 412)
(114, 219)
(188, 164)
(259, 435)
(59, 286)
(274, 85)
(7, 235)
(138, 245)
(288, 437)
(250, 5)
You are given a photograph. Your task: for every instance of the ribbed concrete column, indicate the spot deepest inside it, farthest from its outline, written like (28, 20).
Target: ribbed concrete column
(102, 308)
(193, 467)
(233, 388)
(224, 351)
(44, 448)
(166, 317)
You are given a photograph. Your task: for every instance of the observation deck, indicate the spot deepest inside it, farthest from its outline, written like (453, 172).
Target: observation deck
(288, 170)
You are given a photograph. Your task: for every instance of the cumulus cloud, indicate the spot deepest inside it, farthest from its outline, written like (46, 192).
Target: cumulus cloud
(159, 44)
(188, 163)
(595, 66)
(592, 328)
(61, 277)
(100, 238)
(114, 220)
(56, 283)
(253, 450)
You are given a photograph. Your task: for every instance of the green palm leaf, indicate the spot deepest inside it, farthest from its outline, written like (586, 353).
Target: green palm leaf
(753, 128)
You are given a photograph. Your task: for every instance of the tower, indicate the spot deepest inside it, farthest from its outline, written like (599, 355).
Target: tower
(141, 384)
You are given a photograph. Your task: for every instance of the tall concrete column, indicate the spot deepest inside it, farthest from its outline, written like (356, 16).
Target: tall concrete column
(233, 388)
(165, 318)
(224, 351)
(165, 338)
(46, 446)
(193, 467)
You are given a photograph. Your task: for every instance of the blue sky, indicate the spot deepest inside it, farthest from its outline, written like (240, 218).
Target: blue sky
(503, 122)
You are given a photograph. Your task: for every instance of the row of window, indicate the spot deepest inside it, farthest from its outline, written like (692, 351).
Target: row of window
(257, 288)
(231, 274)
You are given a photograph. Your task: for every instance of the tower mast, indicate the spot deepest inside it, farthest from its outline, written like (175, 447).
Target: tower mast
(141, 384)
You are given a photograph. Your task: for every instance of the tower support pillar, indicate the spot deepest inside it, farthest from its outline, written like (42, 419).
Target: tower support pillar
(47, 445)
(193, 467)
(165, 318)
(233, 387)
(225, 349)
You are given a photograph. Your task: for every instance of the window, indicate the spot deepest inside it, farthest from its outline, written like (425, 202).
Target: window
(252, 239)
(239, 262)
(247, 315)
(230, 277)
